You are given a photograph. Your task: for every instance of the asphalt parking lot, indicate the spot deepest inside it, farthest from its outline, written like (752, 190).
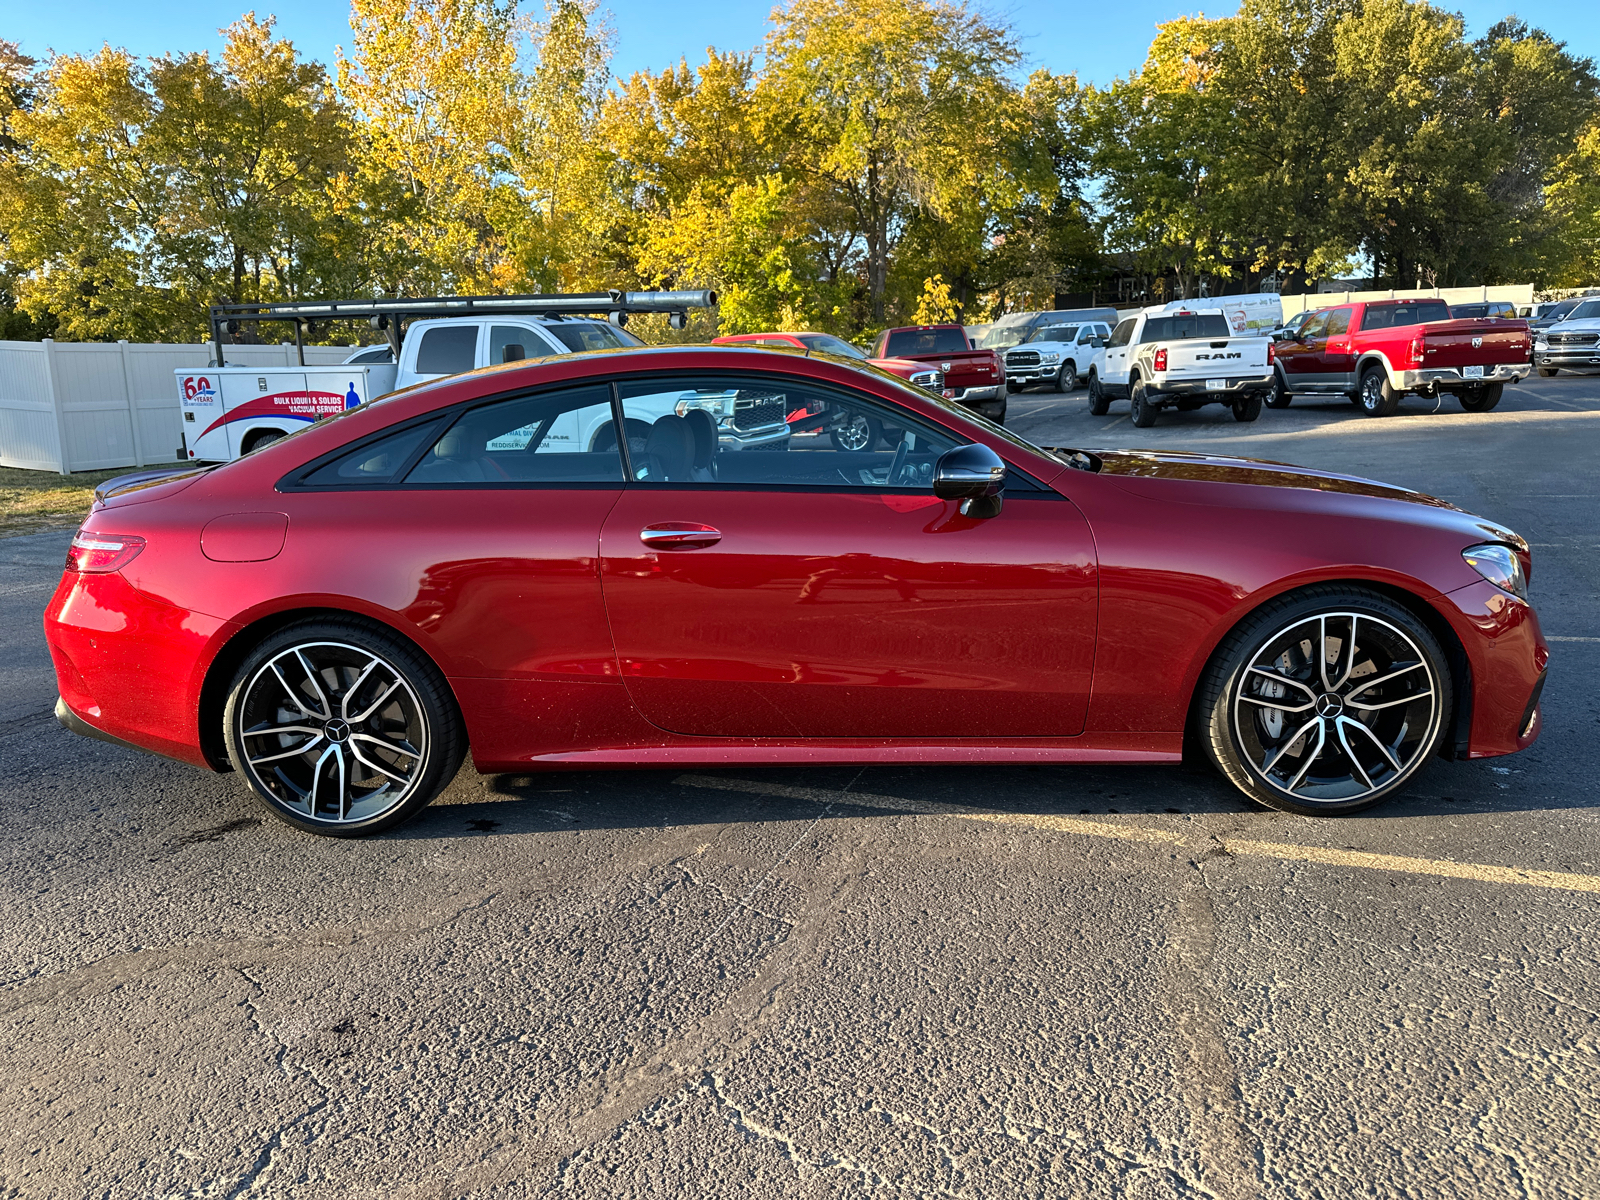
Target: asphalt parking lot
(972, 982)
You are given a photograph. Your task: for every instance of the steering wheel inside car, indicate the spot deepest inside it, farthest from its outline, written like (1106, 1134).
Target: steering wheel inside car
(896, 467)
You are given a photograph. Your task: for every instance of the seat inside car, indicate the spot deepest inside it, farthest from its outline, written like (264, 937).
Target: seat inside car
(704, 430)
(669, 451)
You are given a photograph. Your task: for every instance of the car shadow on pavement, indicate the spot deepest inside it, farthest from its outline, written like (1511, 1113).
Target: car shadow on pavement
(577, 800)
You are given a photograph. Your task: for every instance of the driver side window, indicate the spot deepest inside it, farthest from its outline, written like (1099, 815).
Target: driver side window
(773, 432)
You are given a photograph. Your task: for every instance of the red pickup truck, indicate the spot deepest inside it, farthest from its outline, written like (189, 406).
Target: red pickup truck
(1377, 351)
(975, 378)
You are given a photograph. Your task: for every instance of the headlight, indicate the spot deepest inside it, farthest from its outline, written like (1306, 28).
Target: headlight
(1500, 565)
(1050, 356)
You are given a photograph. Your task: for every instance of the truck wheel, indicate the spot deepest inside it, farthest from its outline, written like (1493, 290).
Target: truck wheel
(1144, 412)
(856, 432)
(1279, 396)
(258, 438)
(1481, 399)
(1067, 381)
(1377, 398)
(1547, 372)
(1099, 402)
(1247, 407)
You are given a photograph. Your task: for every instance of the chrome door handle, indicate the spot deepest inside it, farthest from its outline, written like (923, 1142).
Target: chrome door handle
(679, 535)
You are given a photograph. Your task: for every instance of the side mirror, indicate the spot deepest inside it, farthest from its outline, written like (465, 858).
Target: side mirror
(972, 474)
(1098, 343)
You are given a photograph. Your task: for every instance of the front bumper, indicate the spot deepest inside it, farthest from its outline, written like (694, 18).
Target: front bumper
(1509, 658)
(1433, 377)
(1025, 375)
(1234, 387)
(1573, 358)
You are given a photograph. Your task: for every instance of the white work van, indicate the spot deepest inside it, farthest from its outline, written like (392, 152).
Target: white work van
(230, 411)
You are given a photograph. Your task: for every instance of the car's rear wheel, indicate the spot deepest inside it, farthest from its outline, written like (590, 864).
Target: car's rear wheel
(1376, 398)
(1247, 407)
(1325, 702)
(855, 432)
(341, 728)
(1099, 402)
(1279, 396)
(1481, 399)
(1144, 412)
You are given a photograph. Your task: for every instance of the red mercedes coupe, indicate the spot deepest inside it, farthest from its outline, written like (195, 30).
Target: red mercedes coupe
(483, 564)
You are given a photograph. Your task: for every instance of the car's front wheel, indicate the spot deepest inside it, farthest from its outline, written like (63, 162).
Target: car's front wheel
(341, 728)
(856, 432)
(1279, 396)
(1067, 381)
(1326, 701)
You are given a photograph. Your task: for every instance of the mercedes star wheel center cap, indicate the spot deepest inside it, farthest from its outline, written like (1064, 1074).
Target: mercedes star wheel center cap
(337, 730)
(1328, 705)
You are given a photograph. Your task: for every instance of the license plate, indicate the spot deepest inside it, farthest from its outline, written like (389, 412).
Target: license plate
(1473, 373)
(1216, 385)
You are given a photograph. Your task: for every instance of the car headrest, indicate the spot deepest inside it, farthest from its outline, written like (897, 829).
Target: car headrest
(453, 445)
(671, 443)
(704, 429)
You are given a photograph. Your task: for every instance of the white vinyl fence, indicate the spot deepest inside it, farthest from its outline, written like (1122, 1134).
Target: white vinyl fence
(87, 406)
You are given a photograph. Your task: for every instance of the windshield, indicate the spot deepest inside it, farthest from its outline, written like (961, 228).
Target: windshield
(906, 343)
(1055, 333)
(1003, 336)
(1185, 325)
(828, 344)
(578, 336)
(1585, 311)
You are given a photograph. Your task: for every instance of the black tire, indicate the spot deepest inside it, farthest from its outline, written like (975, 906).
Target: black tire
(1376, 398)
(1547, 372)
(1247, 407)
(1247, 739)
(858, 432)
(1067, 381)
(1099, 402)
(258, 438)
(389, 761)
(1144, 412)
(1280, 396)
(1481, 399)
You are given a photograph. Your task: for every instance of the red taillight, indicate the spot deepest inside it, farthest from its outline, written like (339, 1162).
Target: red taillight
(100, 553)
(1416, 350)
(1161, 359)
(1272, 354)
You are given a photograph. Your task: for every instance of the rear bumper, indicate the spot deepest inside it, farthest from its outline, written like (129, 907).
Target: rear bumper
(1235, 386)
(976, 395)
(1452, 376)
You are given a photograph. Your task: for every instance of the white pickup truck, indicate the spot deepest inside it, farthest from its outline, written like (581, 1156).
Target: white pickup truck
(1058, 356)
(231, 411)
(1180, 358)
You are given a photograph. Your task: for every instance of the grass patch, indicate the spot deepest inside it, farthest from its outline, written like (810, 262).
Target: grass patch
(32, 501)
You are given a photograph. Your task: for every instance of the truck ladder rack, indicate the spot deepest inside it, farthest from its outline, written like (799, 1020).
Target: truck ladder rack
(388, 313)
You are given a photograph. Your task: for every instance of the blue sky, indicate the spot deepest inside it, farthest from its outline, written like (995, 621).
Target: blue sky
(1099, 41)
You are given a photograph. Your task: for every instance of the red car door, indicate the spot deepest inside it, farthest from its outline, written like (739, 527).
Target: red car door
(1300, 358)
(819, 592)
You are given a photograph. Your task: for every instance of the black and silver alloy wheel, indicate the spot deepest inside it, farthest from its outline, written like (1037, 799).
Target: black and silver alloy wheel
(1330, 708)
(855, 432)
(341, 730)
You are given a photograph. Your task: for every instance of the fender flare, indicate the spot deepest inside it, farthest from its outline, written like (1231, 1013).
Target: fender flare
(1368, 357)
